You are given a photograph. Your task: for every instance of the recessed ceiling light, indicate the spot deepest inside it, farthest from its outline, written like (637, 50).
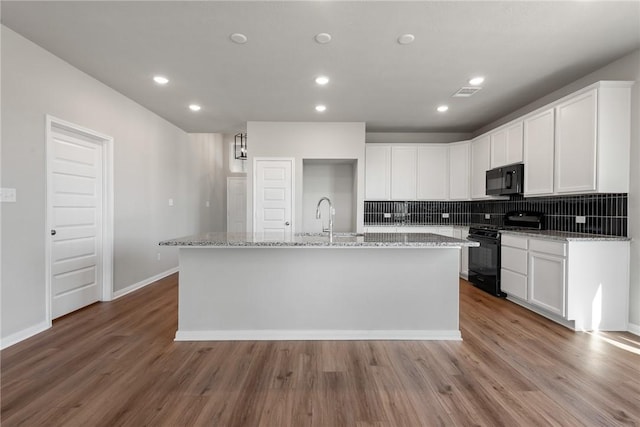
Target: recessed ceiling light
(476, 81)
(194, 107)
(238, 38)
(323, 38)
(321, 108)
(322, 80)
(442, 108)
(406, 39)
(161, 80)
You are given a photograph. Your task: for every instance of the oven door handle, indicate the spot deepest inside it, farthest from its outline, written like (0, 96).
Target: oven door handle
(483, 239)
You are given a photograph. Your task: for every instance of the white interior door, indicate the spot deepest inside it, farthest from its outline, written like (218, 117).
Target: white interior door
(75, 206)
(273, 197)
(236, 205)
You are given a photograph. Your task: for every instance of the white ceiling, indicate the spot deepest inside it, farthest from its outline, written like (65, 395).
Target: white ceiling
(524, 49)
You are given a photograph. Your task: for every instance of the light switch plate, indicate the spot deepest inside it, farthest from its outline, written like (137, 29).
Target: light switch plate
(581, 219)
(8, 195)
(387, 215)
(170, 202)
(445, 215)
(487, 216)
(207, 204)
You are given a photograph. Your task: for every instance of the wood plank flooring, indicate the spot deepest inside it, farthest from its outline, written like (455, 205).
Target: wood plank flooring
(116, 364)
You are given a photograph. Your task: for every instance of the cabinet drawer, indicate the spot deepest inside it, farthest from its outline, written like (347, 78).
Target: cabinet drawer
(514, 259)
(513, 284)
(548, 247)
(514, 241)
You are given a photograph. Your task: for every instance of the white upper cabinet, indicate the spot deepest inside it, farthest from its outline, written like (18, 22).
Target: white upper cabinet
(593, 140)
(377, 172)
(506, 145)
(433, 172)
(459, 184)
(575, 150)
(480, 164)
(403, 172)
(539, 153)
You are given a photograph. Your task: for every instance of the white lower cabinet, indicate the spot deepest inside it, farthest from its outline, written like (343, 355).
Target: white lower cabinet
(547, 282)
(583, 285)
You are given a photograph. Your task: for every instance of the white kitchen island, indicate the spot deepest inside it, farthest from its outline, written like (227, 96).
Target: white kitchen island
(383, 286)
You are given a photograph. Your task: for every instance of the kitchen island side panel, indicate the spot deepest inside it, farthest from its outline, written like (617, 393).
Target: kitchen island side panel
(318, 293)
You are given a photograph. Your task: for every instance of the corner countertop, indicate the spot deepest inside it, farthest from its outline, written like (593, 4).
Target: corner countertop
(565, 236)
(340, 240)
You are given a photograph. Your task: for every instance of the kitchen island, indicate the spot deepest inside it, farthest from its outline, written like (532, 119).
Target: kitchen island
(379, 286)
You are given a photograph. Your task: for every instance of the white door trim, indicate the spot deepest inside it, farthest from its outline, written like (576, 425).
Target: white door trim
(293, 189)
(106, 142)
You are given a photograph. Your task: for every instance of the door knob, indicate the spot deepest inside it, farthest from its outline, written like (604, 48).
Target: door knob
(286, 223)
(53, 232)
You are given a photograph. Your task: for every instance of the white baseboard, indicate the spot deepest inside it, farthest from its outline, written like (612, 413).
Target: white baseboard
(24, 334)
(634, 329)
(316, 335)
(122, 292)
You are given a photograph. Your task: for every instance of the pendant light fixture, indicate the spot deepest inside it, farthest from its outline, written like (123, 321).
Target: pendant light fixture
(240, 146)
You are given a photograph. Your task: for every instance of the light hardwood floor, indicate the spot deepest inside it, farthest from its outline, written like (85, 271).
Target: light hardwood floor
(115, 364)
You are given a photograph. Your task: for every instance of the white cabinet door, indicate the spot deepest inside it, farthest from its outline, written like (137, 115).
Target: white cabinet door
(539, 153)
(377, 172)
(575, 148)
(459, 171)
(506, 145)
(547, 282)
(433, 172)
(498, 148)
(515, 135)
(480, 163)
(513, 284)
(403, 172)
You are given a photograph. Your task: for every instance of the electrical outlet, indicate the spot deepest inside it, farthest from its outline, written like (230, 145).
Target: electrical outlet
(207, 204)
(387, 215)
(445, 215)
(170, 202)
(8, 195)
(158, 256)
(581, 219)
(487, 216)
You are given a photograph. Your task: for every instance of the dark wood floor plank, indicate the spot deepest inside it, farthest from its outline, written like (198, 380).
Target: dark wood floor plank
(116, 364)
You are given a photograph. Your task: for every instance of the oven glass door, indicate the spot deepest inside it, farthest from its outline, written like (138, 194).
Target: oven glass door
(484, 265)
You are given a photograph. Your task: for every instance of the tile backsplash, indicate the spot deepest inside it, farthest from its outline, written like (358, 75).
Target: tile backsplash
(605, 213)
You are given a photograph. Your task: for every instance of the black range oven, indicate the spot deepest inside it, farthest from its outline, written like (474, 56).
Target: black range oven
(484, 260)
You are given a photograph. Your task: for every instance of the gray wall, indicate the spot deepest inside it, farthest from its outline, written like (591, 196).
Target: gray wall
(306, 141)
(626, 68)
(335, 180)
(153, 161)
(415, 137)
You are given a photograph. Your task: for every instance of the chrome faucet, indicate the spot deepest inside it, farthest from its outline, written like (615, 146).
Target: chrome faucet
(332, 212)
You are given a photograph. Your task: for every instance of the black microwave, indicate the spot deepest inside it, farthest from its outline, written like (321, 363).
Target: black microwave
(505, 180)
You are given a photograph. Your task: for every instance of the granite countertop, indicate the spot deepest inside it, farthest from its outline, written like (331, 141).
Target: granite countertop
(386, 240)
(565, 235)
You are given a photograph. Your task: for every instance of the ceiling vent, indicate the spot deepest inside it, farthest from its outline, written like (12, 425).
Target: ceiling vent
(466, 91)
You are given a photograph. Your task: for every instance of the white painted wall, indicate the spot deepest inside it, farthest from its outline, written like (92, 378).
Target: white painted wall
(335, 180)
(626, 68)
(415, 137)
(306, 141)
(153, 161)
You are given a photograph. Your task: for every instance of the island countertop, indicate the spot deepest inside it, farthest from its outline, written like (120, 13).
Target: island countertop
(340, 240)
